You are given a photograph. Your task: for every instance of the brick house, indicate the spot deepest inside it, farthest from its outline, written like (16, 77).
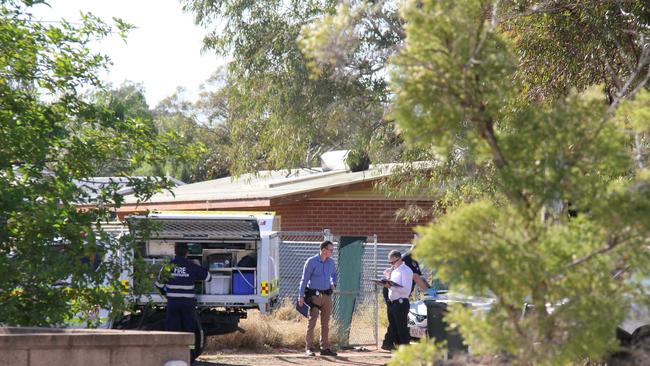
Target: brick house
(306, 200)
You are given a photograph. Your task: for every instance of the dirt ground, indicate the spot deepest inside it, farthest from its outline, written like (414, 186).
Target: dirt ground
(370, 357)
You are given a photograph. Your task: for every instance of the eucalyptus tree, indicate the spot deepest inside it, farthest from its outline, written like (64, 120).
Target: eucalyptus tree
(199, 125)
(535, 113)
(122, 103)
(58, 264)
(553, 111)
(282, 111)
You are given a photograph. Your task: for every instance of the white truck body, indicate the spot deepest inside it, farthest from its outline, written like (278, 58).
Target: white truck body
(233, 236)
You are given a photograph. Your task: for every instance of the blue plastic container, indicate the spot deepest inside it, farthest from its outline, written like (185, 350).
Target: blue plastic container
(239, 284)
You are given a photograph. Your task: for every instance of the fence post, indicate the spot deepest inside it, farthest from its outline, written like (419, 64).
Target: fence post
(327, 234)
(374, 303)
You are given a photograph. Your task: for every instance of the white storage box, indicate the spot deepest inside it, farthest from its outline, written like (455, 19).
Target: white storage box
(219, 285)
(160, 247)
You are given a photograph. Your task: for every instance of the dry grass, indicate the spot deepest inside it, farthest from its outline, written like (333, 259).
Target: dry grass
(284, 328)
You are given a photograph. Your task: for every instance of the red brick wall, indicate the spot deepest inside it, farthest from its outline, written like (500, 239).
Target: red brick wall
(349, 217)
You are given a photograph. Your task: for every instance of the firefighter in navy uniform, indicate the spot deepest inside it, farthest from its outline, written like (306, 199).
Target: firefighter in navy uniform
(179, 290)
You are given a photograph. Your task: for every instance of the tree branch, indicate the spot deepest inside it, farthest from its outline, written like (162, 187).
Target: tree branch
(611, 244)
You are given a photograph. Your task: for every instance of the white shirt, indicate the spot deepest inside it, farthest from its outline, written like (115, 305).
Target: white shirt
(403, 276)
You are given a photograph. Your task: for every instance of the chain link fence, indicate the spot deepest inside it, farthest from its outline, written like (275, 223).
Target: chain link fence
(295, 248)
(369, 318)
(369, 310)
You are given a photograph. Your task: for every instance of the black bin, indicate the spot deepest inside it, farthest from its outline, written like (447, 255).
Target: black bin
(437, 328)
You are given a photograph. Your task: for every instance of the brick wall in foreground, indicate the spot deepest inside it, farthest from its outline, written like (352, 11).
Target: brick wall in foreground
(97, 347)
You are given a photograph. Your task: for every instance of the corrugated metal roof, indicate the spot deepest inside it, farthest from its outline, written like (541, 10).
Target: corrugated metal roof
(268, 185)
(93, 185)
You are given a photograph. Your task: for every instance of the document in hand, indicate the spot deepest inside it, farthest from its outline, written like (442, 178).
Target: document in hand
(382, 281)
(304, 309)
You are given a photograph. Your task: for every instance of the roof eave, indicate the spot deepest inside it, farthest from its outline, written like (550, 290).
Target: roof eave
(194, 205)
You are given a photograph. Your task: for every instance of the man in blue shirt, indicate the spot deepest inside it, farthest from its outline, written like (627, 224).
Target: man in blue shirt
(179, 289)
(316, 287)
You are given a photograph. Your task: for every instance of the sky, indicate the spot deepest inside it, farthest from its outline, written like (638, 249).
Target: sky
(162, 53)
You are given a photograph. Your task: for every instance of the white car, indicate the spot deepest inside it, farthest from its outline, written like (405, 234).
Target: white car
(634, 328)
(417, 318)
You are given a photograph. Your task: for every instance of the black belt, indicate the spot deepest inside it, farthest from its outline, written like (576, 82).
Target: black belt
(311, 292)
(399, 301)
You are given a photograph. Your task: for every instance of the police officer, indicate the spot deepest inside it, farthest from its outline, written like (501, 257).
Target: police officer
(389, 338)
(398, 299)
(417, 273)
(179, 289)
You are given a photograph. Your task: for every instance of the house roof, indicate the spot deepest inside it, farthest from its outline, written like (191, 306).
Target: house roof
(263, 188)
(93, 185)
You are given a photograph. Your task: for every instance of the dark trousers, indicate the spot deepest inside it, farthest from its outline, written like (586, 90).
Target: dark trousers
(389, 338)
(398, 330)
(180, 315)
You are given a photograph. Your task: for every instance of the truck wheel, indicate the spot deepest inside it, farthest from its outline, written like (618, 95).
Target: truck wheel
(641, 335)
(123, 322)
(199, 340)
(624, 338)
(143, 320)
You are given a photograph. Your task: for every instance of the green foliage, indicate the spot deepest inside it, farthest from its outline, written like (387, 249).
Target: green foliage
(357, 160)
(210, 140)
(57, 262)
(531, 118)
(548, 195)
(494, 250)
(423, 353)
(562, 152)
(281, 112)
(125, 104)
(465, 71)
(174, 120)
(458, 87)
(564, 45)
(634, 114)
